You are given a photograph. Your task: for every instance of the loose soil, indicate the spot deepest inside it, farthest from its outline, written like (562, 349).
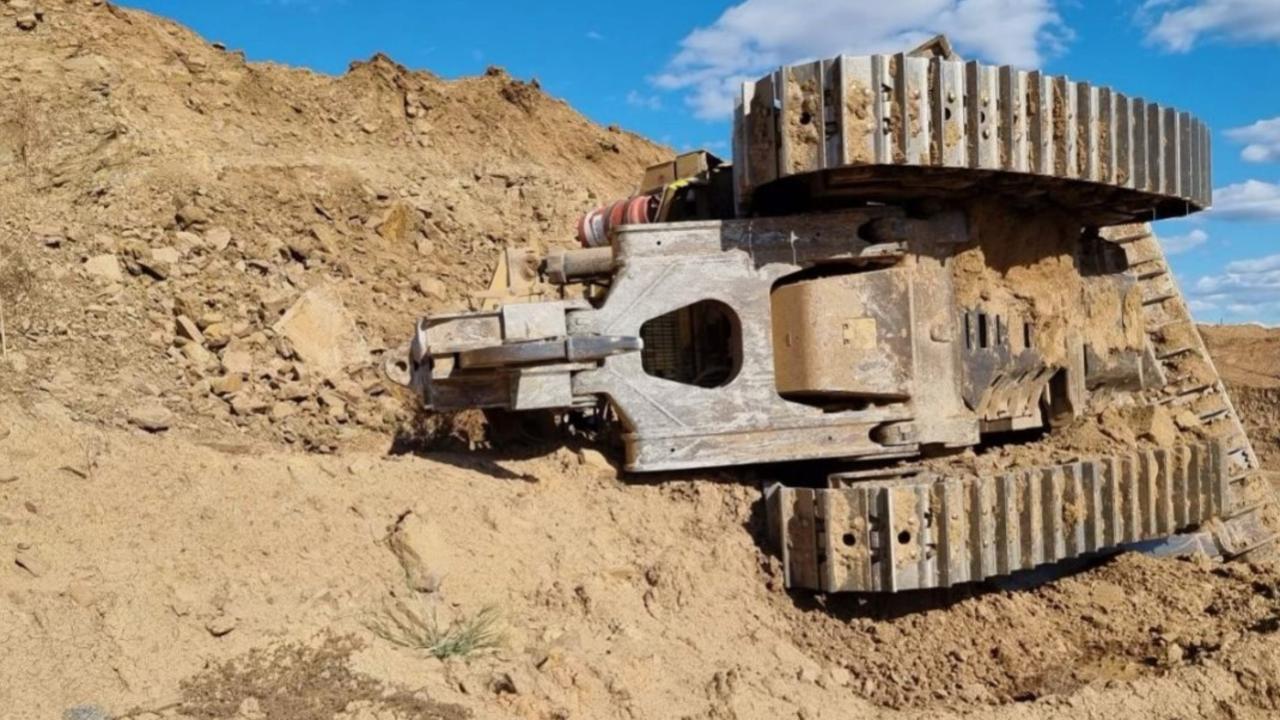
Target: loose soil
(201, 518)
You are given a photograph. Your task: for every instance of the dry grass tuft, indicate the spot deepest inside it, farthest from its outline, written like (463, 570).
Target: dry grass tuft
(17, 285)
(420, 629)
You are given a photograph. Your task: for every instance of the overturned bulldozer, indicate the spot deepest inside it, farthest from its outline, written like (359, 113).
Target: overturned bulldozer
(933, 274)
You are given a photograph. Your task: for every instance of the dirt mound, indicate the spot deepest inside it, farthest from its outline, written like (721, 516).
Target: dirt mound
(1260, 408)
(1248, 357)
(202, 261)
(1132, 617)
(182, 200)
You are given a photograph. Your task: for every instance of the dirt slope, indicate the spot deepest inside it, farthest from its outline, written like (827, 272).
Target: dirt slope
(199, 517)
(152, 180)
(142, 563)
(1248, 357)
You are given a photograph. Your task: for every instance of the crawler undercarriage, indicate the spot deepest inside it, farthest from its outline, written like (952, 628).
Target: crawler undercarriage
(933, 274)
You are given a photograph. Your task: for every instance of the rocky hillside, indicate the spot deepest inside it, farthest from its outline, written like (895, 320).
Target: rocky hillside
(172, 202)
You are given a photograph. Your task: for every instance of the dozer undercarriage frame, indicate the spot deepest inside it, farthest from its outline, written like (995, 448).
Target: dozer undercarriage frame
(910, 268)
(685, 406)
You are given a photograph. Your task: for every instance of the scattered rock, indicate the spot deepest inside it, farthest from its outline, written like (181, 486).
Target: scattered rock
(1154, 423)
(50, 236)
(334, 404)
(210, 318)
(282, 410)
(27, 21)
(431, 287)
(294, 391)
(505, 682)
(217, 335)
(167, 255)
(151, 417)
(186, 239)
(1187, 420)
(104, 267)
(217, 238)
(188, 330)
(237, 362)
(220, 625)
(198, 356)
(245, 404)
(160, 262)
(595, 460)
(275, 302)
(192, 216)
(301, 247)
(322, 333)
(420, 547)
(396, 223)
(325, 238)
(227, 384)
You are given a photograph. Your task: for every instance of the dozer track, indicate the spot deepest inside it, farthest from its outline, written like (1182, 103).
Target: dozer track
(929, 530)
(1192, 383)
(1174, 340)
(911, 528)
(916, 125)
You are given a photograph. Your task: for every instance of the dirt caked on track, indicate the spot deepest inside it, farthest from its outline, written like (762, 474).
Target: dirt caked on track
(213, 506)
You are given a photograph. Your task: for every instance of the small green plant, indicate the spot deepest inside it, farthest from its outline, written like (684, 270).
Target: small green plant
(421, 630)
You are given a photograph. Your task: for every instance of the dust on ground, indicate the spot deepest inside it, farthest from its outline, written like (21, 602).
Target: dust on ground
(201, 515)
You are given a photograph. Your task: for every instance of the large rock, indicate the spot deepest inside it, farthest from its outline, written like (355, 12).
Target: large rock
(218, 238)
(322, 333)
(104, 267)
(420, 547)
(397, 223)
(151, 416)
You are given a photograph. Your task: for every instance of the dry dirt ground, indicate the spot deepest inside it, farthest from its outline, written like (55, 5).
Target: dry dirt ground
(203, 512)
(1248, 357)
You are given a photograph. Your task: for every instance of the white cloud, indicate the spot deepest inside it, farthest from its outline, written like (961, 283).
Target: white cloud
(1199, 307)
(1178, 244)
(1255, 266)
(1246, 290)
(1176, 25)
(1249, 200)
(594, 35)
(640, 100)
(755, 36)
(1262, 138)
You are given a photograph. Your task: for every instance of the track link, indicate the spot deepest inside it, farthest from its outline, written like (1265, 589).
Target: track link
(917, 530)
(1193, 389)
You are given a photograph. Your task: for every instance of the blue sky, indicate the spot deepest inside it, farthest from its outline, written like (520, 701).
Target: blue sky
(667, 71)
